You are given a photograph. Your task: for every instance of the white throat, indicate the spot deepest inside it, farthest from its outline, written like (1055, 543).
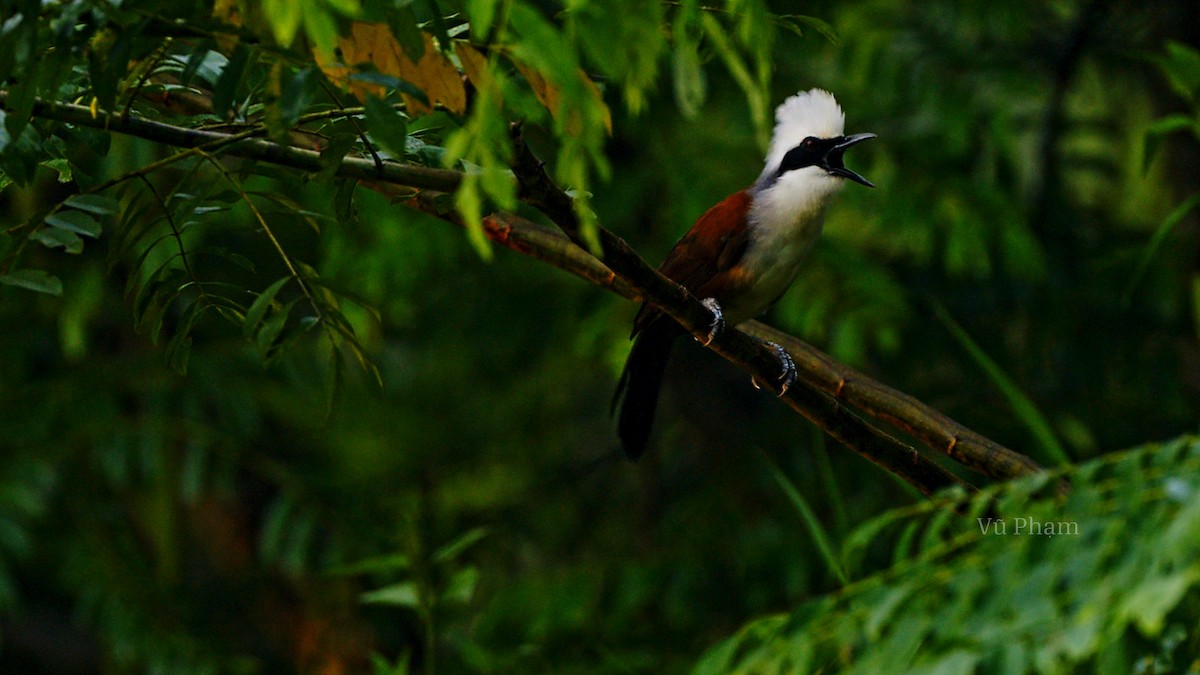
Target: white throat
(787, 210)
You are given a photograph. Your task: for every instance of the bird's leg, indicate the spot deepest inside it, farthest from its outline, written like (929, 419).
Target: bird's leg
(718, 320)
(788, 376)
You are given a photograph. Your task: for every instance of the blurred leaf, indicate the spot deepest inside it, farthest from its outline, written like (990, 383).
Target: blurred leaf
(271, 329)
(403, 22)
(387, 127)
(690, 85)
(333, 153)
(57, 238)
(75, 221)
(95, 204)
(404, 594)
(1182, 68)
(482, 14)
(261, 304)
(822, 27)
(297, 94)
(225, 92)
(34, 280)
(380, 666)
(462, 585)
(1156, 241)
(474, 65)
(19, 156)
(756, 95)
(455, 548)
(1021, 404)
(320, 25)
(62, 168)
(1153, 138)
(811, 522)
(395, 562)
(1048, 583)
(623, 44)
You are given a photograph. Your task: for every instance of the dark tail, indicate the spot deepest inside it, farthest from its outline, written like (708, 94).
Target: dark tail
(637, 390)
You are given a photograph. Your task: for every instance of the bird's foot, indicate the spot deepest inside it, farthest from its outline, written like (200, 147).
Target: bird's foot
(788, 366)
(718, 320)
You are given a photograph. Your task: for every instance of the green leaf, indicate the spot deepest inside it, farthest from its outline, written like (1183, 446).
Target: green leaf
(331, 156)
(1009, 601)
(1149, 603)
(56, 238)
(296, 96)
(438, 24)
(284, 17)
(61, 167)
(1021, 404)
(406, 30)
(462, 586)
(343, 202)
(347, 8)
(226, 90)
(319, 25)
(1153, 138)
(19, 152)
(455, 548)
(270, 542)
(624, 44)
(95, 204)
(753, 88)
(75, 221)
(1160, 235)
(1182, 67)
(260, 306)
(380, 665)
(469, 202)
(271, 329)
(403, 594)
(34, 280)
(823, 27)
(812, 523)
(387, 127)
(179, 347)
(690, 85)
(395, 562)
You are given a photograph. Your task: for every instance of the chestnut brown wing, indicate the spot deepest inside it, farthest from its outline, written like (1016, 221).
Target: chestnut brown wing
(705, 261)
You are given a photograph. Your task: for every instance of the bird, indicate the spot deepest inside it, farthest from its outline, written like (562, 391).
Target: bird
(744, 252)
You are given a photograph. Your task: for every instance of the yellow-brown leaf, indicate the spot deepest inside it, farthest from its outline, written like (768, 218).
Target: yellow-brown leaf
(373, 43)
(474, 64)
(549, 96)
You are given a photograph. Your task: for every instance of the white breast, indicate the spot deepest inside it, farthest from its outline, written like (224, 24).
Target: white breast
(786, 218)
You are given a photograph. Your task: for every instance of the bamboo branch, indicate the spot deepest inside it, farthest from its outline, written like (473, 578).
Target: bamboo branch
(836, 420)
(828, 382)
(836, 379)
(749, 353)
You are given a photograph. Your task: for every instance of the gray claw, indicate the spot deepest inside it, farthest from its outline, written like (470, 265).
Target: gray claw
(788, 376)
(718, 320)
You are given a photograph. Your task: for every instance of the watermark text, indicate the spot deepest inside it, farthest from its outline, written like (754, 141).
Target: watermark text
(1023, 526)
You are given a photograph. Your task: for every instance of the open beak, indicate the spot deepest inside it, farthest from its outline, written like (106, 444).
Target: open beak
(833, 158)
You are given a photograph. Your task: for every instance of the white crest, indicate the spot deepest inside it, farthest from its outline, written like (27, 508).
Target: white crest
(809, 113)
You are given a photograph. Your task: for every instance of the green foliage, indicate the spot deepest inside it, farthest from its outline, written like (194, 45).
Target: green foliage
(198, 477)
(1023, 577)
